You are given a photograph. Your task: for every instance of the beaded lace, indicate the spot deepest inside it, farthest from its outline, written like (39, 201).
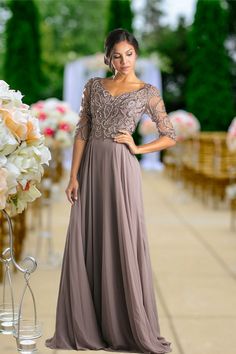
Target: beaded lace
(102, 115)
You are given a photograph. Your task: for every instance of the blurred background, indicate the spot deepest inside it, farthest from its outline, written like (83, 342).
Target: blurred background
(48, 49)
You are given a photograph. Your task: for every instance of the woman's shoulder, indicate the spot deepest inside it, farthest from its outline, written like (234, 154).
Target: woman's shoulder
(152, 89)
(90, 81)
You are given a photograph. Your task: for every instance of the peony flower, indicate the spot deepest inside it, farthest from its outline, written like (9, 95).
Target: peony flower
(61, 109)
(22, 152)
(48, 131)
(28, 160)
(63, 137)
(8, 142)
(9, 97)
(42, 115)
(64, 126)
(147, 126)
(184, 123)
(18, 202)
(54, 116)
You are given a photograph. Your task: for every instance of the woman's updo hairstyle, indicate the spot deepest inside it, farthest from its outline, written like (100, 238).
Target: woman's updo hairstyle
(114, 37)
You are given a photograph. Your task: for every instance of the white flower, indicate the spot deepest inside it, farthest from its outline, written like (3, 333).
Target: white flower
(63, 137)
(3, 160)
(184, 123)
(3, 187)
(22, 152)
(19, 202)
(8, 143)
(12, 178)
(7, 95)
(28, 160)
(57, 121)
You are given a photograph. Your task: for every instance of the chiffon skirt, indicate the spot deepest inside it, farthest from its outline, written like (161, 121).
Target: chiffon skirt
(106, 297)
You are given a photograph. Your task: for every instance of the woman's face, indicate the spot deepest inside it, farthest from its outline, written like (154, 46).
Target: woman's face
(123, 57)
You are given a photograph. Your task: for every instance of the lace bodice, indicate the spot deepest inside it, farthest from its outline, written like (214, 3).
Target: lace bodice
(101, 114)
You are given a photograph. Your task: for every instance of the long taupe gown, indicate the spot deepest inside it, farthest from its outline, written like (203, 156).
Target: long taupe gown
(106, 296)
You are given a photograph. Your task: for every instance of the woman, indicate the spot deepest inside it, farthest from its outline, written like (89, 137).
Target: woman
(106, 297)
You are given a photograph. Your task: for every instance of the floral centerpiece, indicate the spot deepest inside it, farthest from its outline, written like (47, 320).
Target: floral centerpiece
(184, 123)
(231, 136)
(147, 127)
(56, 120)
(22, 152)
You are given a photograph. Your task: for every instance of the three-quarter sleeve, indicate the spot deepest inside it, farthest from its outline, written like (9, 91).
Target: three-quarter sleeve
(155, 108)
(83, 126)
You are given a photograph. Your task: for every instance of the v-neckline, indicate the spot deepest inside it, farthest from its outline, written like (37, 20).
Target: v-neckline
(121, 94)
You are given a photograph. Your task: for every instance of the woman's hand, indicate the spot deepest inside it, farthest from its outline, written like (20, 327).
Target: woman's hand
(126, 138)
(72, 190)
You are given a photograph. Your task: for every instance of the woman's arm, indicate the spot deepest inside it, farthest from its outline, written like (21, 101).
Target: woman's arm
(156, 110)
(82, 131)
(78, 150)
(162, 143)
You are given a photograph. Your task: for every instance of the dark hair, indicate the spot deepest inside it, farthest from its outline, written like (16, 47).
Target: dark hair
(116, 36)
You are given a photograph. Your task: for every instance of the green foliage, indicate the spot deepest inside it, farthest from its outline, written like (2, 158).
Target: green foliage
(70, 29)
(172, 44)
(232, 41)
(119, 14)
(152, 29)
(209, 91)
(4, 15)
(22, 66)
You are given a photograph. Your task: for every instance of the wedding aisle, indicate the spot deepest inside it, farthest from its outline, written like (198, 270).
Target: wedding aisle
(193, 255)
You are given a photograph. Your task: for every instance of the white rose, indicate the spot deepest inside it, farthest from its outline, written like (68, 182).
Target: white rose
(8, 143)
(22, 198)
(28, 159)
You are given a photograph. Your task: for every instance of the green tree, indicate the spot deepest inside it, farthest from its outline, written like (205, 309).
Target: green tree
(232, 41)
(172, 44)
(152, 28)
(209, 92)
(119, 14)
(4, 15)
(70, 29)
(22, 62)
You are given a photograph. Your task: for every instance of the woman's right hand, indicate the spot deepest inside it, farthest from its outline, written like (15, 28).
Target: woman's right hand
(72, 190)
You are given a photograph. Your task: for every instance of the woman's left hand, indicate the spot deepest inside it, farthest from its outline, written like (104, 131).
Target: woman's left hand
(126, 138)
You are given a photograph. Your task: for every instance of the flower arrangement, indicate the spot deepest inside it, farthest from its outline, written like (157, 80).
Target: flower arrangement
(56, 120)
(184, 123)
(231, 136)
(147, 126)
(22, 152)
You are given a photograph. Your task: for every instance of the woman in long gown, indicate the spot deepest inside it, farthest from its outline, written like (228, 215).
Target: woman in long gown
(106, 295)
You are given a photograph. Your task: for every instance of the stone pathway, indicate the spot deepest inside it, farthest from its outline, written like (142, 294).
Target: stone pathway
(193, 256)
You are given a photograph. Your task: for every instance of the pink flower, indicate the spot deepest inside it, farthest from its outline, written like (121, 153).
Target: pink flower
(38, 105)
(48, 131)
(178, 119)
(64, 126)
(42, 115)
(61, 109)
